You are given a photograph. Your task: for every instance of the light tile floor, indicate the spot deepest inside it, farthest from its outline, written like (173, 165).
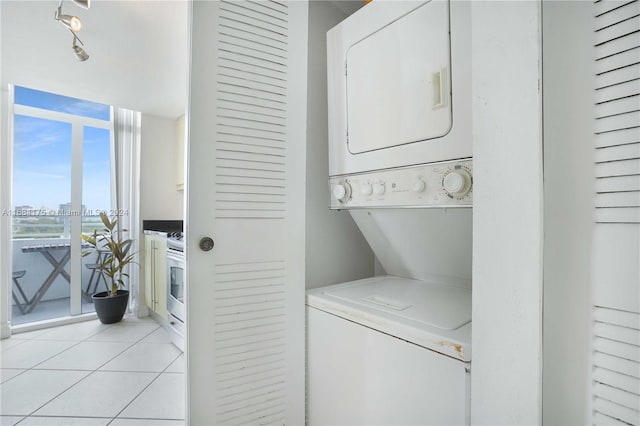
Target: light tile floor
(125, 374)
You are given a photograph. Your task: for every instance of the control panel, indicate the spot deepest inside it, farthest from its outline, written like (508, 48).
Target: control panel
(447, 184)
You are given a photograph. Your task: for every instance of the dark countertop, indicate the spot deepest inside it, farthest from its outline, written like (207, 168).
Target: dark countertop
(162, 225)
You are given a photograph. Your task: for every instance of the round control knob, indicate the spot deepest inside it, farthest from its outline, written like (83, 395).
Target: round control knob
(378, 188)
(366, 189)
(418, 185)
(341, 191)
(457, 182)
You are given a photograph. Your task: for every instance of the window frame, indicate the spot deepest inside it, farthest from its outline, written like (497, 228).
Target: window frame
(78, 123)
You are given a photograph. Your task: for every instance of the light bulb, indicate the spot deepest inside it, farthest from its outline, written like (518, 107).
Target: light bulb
(72, 22)
(75, 23)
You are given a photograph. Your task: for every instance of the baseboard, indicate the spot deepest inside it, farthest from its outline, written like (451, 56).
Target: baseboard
(142, 311)
(55, 322)
(5, 330)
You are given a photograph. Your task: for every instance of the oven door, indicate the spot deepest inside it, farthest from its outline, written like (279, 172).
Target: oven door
(175, 284)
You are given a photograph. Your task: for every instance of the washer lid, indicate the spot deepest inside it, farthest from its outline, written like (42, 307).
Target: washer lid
(437, 305)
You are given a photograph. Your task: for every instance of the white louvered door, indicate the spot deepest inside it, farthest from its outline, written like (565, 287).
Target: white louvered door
(245, 190)
(616, 255)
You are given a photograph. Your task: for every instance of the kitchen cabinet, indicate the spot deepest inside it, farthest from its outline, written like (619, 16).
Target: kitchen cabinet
(155, 273)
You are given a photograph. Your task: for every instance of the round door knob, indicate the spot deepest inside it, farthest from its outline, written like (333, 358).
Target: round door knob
(366, 189)
(341, 191)
(457, 182)
(206, 244)
(378, 188)
(418, 186)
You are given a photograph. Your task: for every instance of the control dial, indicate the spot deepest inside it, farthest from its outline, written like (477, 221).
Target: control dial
(341, 191)
(418, 185)
(378, 188)
(366, 189)
(457, 183)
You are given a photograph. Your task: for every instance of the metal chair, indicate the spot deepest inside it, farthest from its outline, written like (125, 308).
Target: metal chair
(18, 291)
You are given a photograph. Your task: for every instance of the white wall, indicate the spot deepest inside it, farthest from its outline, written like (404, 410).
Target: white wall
(336, 251)
(159, 198)
(507, 215)
(568, 185)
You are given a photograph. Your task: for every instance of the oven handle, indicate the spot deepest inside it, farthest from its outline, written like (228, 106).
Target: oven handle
(153, 273)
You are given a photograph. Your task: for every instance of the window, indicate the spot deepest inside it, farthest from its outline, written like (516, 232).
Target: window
(42, 163)
(62, 180)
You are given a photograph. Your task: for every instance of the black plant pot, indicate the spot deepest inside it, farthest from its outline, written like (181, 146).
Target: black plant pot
(110, 309)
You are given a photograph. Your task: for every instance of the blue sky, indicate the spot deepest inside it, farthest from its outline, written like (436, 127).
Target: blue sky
(42, 154)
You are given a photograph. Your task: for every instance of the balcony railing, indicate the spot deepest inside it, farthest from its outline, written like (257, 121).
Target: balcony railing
(51, 226)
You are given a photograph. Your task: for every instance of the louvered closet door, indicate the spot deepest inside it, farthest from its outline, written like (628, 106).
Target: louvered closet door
(246, 191)
(616, 256)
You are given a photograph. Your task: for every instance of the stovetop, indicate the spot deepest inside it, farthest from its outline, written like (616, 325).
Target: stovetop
(175, 241)
(179, 236)
(173, 229)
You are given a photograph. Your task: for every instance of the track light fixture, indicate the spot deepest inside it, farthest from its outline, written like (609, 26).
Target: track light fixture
(72, 22)
(85, 4)
(74, 25)
(81, 55)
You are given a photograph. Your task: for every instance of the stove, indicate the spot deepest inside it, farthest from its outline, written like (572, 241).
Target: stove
(176, 287)
(175, 241)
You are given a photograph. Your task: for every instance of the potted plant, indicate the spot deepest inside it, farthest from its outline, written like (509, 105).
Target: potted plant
(115, 256)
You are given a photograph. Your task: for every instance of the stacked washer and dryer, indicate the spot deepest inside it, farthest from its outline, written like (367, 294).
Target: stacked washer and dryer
(396, 348)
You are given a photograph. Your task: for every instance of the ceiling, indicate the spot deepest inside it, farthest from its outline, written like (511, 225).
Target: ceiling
(138, 52)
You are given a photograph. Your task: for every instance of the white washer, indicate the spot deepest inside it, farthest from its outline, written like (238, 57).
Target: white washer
(389, 350)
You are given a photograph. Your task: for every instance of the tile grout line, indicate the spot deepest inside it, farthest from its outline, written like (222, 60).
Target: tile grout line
(73, 384)
(61, 340)
(126, 349)
(146, 387)
(84, 377)
(88, 375)
(11, 378)
(57, 395)
(33, 367)
(21, 342)
(70, 347)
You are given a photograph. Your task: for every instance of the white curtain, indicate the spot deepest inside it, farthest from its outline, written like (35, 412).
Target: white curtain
(126, 181)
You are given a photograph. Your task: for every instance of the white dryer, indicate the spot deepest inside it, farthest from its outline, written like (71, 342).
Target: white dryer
(399, 86)
(399, 89)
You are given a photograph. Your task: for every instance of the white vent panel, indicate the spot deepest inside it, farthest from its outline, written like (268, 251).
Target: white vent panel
(616, 366)
(626, 10)
(251, 197)
(616, 236)
(617, 111)
(603, 7)
(617, 76)
(618, 91)
(250, 308)
(600, 419)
